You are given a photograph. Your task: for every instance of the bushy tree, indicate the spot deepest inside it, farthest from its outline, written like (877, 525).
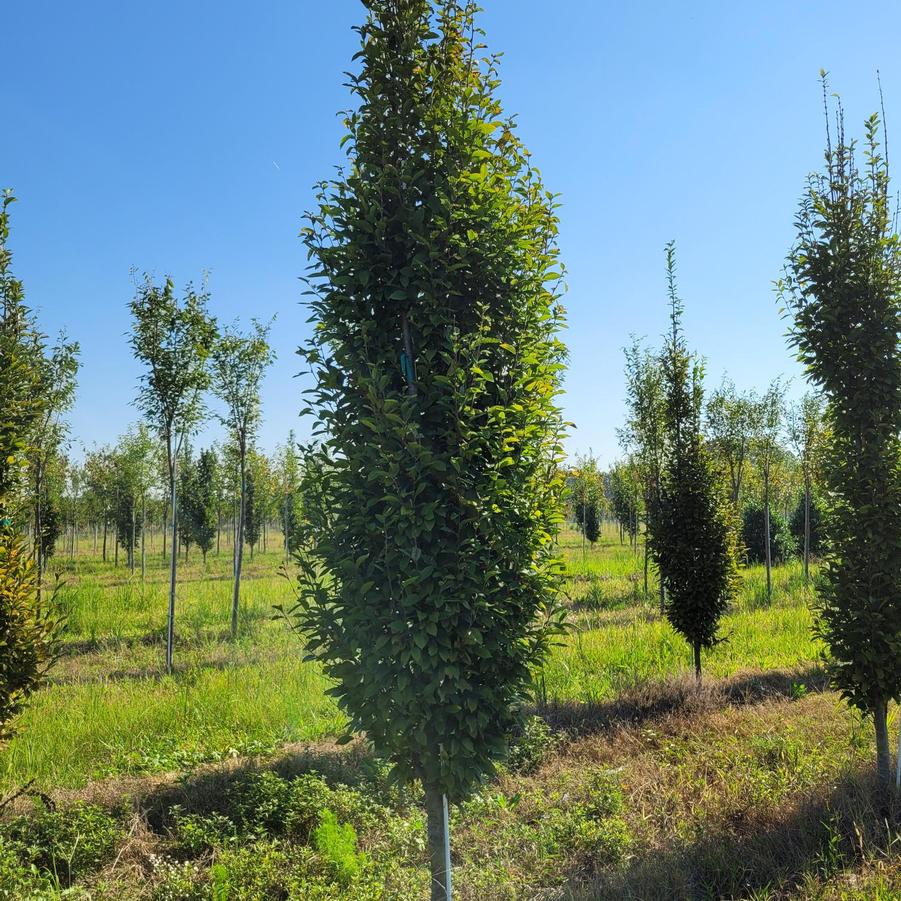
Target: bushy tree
(693, 538)
(429, 588)
(782, 543)
(197, 502)
(843, 288)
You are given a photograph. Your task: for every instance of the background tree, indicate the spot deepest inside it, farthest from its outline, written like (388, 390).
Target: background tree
(768, 420)
(173, 339)
(197, 504)
(731, 418)
(430, 580)
(693, 538)
(239, 364)
(290, 508)
(805, 431)
(843, 288)
(644, 437)
(58, 369)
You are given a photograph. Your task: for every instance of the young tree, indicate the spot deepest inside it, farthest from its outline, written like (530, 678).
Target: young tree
(173, 339)
(768, 415)
(644, 437)
(431, 574)
(57, 370)
(730, 426)
(693, 539)
(239, 364)
(197, 502)
(805, 431)
(290, 513)
(843, 287)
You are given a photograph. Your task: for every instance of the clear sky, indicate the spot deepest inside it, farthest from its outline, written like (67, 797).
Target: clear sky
(183, 136)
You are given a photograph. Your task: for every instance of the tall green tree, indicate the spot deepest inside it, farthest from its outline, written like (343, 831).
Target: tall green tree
(429, 588)
(694, 538)
(28, 633)
(239, 364)
(173, 339)
(843, 288)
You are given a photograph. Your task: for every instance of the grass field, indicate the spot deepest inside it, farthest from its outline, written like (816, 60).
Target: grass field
(630, 782)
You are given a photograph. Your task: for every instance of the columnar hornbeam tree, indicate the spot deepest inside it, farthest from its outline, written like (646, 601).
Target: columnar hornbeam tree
(843, 287)
(692, 535)
(429, 589)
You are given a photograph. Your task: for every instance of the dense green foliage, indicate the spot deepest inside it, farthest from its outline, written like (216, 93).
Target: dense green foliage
(783, 543)
(27, 631)
(843, 287)
(691, 532)
(429, 588)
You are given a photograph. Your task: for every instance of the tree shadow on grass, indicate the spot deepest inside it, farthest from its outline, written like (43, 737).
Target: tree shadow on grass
(652, 701)
(754, 853)
(209, 789)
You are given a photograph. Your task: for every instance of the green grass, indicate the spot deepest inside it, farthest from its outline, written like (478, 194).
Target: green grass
(634, 785)
(111, 709)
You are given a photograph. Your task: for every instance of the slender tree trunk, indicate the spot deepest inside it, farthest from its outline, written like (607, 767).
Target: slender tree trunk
(697, 650)
(165, 518)
(766, 532)
(645, 563)
(39, 533)
(173, 562)
(143, 536)
(806, 528)
(883, 753)
(239, 549)
(134, 538)
(437, 838)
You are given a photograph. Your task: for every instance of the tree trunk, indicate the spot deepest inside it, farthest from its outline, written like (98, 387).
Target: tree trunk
(437, 840)
(134, 538)
(143, 536)
(646, 563)
(239, 551)
(38, 534)
(883, 753)
(173, 562)
(697, 650)
(165, 517)
(806, 529)
(766, 531)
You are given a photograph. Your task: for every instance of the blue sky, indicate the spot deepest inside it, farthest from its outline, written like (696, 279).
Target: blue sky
(182, 137)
